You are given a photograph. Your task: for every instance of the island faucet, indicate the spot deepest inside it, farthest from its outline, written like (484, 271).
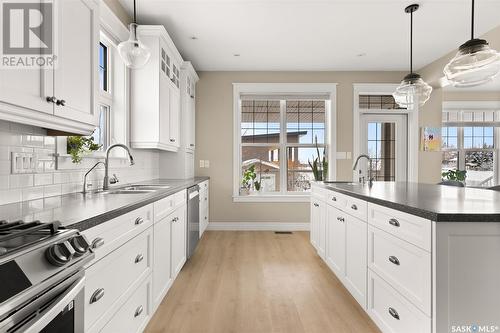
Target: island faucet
(106, 182)
(370, 167)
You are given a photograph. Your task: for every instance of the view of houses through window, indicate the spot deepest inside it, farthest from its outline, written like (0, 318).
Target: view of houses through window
(278, 138)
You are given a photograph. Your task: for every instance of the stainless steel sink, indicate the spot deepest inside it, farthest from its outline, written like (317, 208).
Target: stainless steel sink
(125, 191)
(152, 187)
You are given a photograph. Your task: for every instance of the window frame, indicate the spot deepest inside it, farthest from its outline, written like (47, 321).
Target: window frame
(473, 106)
(269, 89)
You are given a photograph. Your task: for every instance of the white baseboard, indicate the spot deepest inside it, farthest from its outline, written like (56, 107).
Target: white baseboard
(255, 226)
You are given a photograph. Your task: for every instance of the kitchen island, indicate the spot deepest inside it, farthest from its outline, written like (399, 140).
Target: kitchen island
(416, 257)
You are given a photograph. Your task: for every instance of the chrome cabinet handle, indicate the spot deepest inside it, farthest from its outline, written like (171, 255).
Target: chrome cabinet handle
(138, 311)
(394, 260)
(51, 99)
(354, 207)
(172, 140)
(316, 205)
(98, 242)
(334, 198)
(139, 258)
(341, 219)
(191, 144)
(394, 313)
(139, 220)
(175, 219)
(61, 102)
(394, 222)
(97, 295)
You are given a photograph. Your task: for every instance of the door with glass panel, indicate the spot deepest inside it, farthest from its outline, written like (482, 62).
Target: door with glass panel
(384, 138)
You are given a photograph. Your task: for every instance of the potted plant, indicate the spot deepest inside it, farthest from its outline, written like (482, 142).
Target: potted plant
(248, 179)
(77, 146)
(319, 166)
(454, 175)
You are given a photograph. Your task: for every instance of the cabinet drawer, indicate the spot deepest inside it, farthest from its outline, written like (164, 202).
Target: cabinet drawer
(204, 185)
(337, 200)
(356, 207)
(406, 267)
(410, 228)
(112, 234)
(110, 278)
(134, 315)
(391, 311)
(166, 206)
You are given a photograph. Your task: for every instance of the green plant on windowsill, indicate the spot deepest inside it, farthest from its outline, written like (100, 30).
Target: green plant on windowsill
(455, 175)
(319, 166)
(77, 146)
(249, 177)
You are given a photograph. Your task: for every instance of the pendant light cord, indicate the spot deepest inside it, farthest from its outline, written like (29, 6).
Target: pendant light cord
(411, 42)
(135, 16)
(472, 22)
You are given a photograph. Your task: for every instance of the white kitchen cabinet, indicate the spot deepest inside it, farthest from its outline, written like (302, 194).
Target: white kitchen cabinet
(318, 221)
(336, 238)
(356, 258)
(25, 95)
(155, 94)
(188, 100)
(162, 260)
(179, 238)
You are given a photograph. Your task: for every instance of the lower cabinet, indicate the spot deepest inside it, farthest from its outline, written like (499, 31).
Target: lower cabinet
(179, 237)
(356, 258)
(335, 239)
(318, 225)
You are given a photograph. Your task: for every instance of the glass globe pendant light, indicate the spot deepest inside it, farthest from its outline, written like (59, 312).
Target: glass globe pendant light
(133, 52)
(413, 89)
(475, 63)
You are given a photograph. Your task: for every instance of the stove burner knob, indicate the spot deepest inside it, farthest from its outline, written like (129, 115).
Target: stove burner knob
(59, 254)
(80, 245)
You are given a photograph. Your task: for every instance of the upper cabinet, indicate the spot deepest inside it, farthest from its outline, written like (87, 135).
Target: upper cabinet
(188, 102)
(155, 96)
(62, 98)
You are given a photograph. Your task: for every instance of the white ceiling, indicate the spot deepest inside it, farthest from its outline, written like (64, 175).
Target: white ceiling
(314, 34)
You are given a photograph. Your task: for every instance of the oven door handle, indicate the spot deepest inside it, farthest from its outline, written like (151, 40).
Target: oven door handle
(44, 318)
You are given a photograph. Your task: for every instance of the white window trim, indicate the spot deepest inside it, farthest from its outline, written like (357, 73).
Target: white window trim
(282, 88)
(412, 128)
(475, 106)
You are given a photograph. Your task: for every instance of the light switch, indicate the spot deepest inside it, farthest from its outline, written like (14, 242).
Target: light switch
(23, 162)
(207, 164)
(202, 163)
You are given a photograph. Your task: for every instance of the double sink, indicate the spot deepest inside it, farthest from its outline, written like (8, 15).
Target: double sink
(138, 189)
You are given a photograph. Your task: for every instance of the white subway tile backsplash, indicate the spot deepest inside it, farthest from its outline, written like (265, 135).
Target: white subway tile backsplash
(48, 182)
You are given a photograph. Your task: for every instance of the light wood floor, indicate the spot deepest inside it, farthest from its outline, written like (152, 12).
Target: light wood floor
(258, 282)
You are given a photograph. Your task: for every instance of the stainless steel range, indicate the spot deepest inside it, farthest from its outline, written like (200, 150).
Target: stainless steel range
(41, 277)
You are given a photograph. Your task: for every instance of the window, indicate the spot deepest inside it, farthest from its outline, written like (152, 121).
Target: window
(103, 67)
(470, 142)
(277, 136)
(378, 102)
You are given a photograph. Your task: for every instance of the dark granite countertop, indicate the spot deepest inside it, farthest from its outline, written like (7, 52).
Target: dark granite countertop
(80, 211)
(434, 202)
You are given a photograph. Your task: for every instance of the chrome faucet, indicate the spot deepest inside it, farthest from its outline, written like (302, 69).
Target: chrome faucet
(370, 167)
(86, 174)
(106, 182)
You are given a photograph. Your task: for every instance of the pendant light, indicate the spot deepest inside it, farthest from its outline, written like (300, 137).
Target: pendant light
(475, 63)
(413, 89)
(133, 52)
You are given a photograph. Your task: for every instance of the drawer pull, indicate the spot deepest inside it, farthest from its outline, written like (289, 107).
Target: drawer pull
(316, 205)
(97, 295)
(394, 313)
(334, 198)
(175, 219)
(341, 219)
(354, 207)
(139, 258)
(138, 311)
(98, 242)
(139, 220)
(394, 260)
(394, 222)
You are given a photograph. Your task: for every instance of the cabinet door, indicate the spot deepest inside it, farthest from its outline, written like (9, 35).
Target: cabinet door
(191, 125)
(315, 216)
(335, 251)
(356, 258)
(75, 78)
(162, 277)
(179, 229)
(175, 109)
(164, 109)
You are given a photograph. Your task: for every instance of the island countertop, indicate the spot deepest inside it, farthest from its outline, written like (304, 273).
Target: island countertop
(434, 202)
(80, 211)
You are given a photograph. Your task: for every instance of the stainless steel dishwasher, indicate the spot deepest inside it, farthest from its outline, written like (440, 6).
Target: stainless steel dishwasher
(193, 219)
